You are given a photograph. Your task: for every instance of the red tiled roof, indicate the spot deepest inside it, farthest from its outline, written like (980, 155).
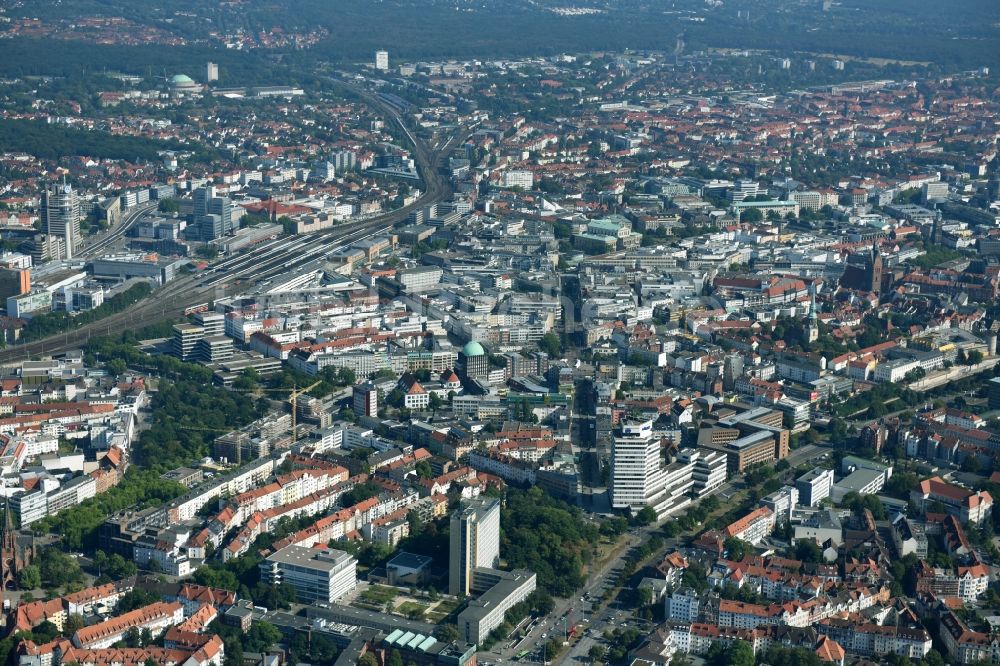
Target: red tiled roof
(122, 623)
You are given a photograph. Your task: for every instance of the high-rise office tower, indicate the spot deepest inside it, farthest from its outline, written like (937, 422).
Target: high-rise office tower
(638, 478)
(344, 160)
(185, 340)
(199, 199)
(382, 61)
(475, 542)
(222, 207)
(211, 72)
(365, 400)
(61, 216)
(213, 215)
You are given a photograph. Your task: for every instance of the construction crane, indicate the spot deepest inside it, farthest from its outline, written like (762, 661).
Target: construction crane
(293, 397)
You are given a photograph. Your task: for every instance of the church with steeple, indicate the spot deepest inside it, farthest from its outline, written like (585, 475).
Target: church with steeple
(14, 555)
(864, 271)
(812, 328)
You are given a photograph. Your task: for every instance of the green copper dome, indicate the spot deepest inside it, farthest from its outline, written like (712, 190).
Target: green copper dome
(473, 348)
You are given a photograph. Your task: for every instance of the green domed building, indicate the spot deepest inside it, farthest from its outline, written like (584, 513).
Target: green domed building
(473, 362)
(473, 348)
(182, 84)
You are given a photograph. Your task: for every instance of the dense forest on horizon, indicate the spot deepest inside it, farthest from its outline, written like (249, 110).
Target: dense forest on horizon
(960, 35)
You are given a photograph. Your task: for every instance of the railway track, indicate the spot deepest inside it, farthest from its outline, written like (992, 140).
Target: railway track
(262, 262)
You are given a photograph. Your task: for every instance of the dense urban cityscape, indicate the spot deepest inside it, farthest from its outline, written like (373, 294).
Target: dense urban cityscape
(482, 353)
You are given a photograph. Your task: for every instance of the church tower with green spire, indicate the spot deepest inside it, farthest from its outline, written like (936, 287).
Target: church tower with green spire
(812, 329)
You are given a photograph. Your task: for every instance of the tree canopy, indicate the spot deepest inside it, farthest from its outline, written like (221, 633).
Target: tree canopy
(547, 536)
(79, 524)
(50, 141)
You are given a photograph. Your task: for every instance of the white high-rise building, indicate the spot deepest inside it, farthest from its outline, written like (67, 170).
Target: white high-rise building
(211, 72)
(639, 477)
(475, 542)
(382, 61)
(61, 216)
(636, 466)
